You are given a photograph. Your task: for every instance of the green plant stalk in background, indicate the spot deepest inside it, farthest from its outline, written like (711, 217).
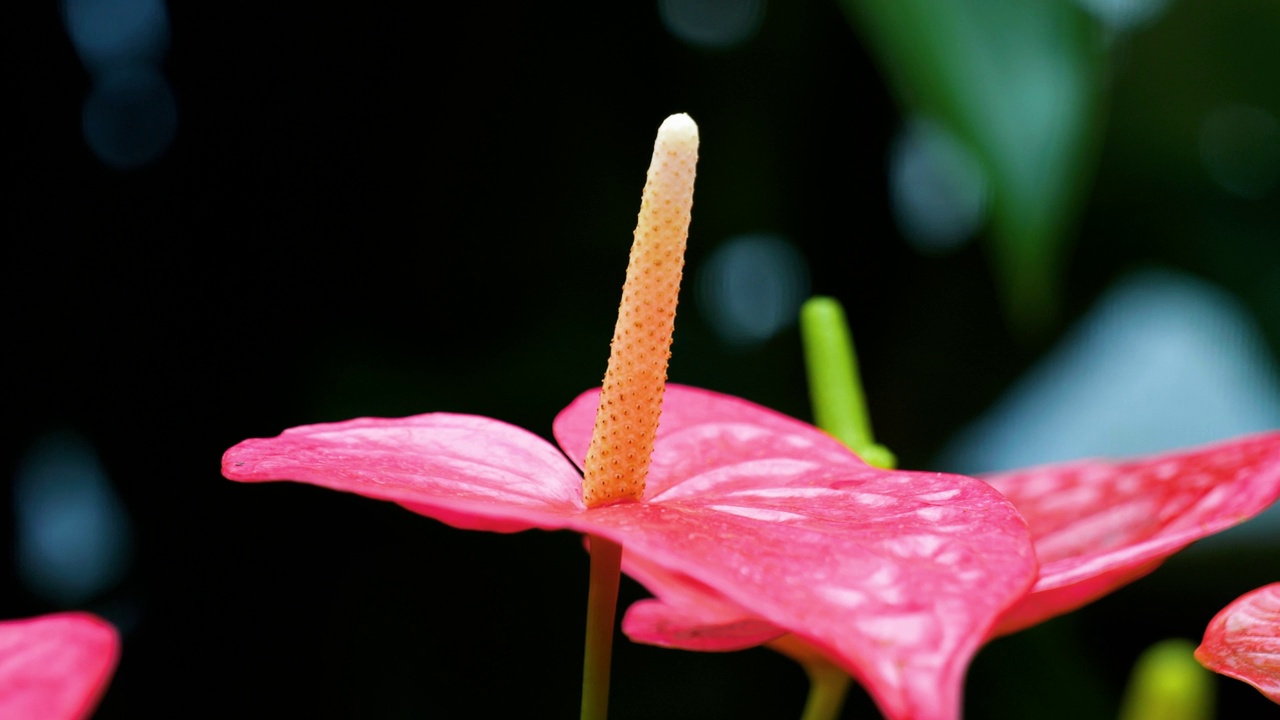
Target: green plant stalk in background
(1168, 683)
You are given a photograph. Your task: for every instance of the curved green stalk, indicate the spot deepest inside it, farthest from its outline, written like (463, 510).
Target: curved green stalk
(828, 686)
(835, 390)
(602, 608)
(1169, 684)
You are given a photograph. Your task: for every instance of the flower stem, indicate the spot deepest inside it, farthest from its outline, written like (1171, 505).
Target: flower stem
(828, 686)
(602, 607)
(835, 390)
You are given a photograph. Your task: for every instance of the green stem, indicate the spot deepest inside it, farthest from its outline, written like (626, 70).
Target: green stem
(835, 390)
(602, 608)
(828, 686)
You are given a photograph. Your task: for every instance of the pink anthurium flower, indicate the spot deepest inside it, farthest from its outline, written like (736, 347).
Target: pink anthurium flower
(896, 576)
(1243, 641)
(1097, 525)
(55, 667)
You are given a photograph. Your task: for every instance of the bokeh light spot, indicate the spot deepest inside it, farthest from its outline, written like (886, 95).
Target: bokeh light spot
(751, 287)
(108, 32)
(73, 538)
(712, 24)
(1121, 15)
(130, 117)
(937, 187)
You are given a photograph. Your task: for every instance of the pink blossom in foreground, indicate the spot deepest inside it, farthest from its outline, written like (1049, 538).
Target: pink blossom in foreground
(896, 576)
(1096, 525)
(55, 667)
(1243, 641)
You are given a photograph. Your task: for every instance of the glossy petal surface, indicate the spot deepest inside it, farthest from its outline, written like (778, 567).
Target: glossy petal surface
(1243, 641)
(55, 667)
(897, 576)
(471, 472)
(1098, 525)
(689, 615)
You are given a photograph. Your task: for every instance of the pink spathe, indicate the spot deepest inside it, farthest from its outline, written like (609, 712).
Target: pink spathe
(1243, 640)
(896, 576)
(55, 667)
(1096, 525)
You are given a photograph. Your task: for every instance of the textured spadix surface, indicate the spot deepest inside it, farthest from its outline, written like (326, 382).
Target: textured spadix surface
(1243, 641)
(55, 667)
(631, 395)
(897, 576)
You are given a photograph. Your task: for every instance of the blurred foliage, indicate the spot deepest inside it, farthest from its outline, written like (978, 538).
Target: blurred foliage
(1021, 83)
(1169, 684)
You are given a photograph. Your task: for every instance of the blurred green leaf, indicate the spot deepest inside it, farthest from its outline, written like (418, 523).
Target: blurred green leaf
(1020, 82)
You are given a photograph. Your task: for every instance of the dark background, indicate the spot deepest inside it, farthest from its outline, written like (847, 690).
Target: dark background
(389, 210)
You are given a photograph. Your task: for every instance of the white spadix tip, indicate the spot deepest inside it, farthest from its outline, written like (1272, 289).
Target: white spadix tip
(678, 129)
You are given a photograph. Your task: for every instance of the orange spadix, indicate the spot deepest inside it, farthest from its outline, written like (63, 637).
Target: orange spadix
(631, 398)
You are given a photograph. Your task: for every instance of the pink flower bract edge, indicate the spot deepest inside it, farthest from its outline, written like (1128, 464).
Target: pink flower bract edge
(896, 576)
(55, 667)
(1097, 525)
(1243, 641)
